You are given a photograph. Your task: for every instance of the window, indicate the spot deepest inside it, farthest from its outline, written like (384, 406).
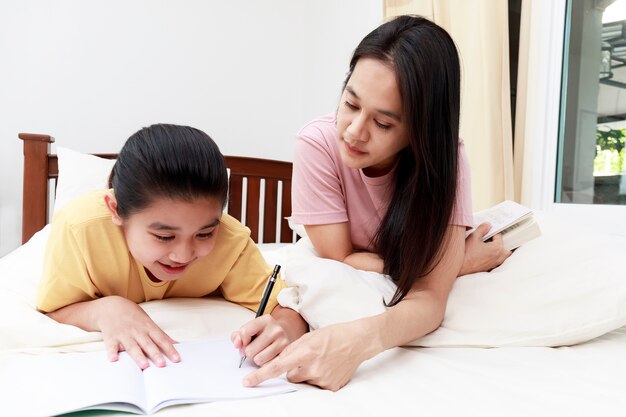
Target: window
(591, 165)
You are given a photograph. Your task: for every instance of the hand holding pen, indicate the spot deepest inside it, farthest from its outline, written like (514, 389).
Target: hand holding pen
(264, 300)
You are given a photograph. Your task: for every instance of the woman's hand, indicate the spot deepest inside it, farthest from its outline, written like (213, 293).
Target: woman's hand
(265, 337)
(126, 327)
(327, 357)
(483, 256)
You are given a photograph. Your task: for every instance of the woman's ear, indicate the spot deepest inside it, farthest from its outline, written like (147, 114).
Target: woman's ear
(111, 203)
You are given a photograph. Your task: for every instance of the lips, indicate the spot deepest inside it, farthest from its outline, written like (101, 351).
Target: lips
(171, 269)
(352, 150)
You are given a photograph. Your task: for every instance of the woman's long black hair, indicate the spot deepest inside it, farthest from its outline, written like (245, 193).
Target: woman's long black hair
(411, 237)
(167, 161)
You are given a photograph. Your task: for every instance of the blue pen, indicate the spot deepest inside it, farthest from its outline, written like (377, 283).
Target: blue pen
(264, 299)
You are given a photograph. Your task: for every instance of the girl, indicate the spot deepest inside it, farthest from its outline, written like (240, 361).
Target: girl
(158, 232)
(384, 185)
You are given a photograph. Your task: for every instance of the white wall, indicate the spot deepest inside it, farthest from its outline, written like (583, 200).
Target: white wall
(90, 73)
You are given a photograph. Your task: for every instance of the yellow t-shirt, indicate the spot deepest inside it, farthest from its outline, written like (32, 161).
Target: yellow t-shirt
(87, 258)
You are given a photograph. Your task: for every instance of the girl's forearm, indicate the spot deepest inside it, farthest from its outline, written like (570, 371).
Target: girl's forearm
(84, 314)
(291, 321)
(87, 315)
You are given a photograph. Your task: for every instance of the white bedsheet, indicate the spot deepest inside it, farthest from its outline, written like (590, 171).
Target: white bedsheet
(582, 380)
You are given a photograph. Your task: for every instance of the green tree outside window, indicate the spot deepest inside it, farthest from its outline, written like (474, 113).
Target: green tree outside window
(610, 144)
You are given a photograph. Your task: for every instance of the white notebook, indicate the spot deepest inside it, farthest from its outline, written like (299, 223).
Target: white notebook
(62, 383)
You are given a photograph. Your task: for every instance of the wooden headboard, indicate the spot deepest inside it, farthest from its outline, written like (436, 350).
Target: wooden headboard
(259, 191)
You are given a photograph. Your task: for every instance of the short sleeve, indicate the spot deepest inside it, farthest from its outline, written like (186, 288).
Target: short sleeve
(463, 215)
(317, 194)
(245, 282)
(65, 277)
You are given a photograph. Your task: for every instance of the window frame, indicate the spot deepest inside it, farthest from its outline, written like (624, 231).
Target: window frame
(543, 122)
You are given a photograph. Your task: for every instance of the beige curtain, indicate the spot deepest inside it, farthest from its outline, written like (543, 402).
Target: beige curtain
(480, 30)
(521, 185)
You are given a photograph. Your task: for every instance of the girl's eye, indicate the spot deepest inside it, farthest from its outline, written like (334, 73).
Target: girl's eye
(164, 238)
(204, 235)
(350, 105)
(383, 125)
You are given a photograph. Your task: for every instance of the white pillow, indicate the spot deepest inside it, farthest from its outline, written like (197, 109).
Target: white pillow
(79, 173)
(565, 287)
(298, 228)
(22, 328)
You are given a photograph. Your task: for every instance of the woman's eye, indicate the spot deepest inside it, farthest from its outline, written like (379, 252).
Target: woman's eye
(204, 235)
(383, 125)
(350, 105)
(163, 238)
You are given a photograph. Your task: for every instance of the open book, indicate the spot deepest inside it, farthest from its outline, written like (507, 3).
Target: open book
(515, 222)
(50, 384)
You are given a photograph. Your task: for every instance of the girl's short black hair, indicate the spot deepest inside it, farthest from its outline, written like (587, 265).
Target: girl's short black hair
(167, 161)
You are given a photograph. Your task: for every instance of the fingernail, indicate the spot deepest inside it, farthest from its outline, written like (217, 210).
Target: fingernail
(246, 382)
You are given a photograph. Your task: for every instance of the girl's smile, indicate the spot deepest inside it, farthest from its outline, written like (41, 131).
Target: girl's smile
(169, 235)
(174, 270)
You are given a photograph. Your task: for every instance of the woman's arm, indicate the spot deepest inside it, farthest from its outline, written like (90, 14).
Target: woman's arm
(332, 241)
(329, 357)
(483, 256)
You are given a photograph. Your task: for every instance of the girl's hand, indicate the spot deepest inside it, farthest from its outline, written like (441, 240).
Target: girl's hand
(327, 357)
(261, 339)
(126, 327)
(483, 256)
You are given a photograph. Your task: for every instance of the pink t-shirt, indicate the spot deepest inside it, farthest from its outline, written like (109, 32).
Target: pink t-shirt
(326, 191)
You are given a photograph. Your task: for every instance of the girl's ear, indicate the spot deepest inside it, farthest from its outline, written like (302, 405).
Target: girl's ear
(111, 203)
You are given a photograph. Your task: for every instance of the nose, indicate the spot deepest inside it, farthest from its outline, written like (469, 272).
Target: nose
(183, 253)
(357, 129)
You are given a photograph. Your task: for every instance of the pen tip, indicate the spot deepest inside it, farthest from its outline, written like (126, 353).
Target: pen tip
(243, 359)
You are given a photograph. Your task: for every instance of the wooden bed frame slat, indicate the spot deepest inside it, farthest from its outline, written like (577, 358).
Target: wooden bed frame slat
(271, 199)
(252, 205)
(41, 170)
(285, 230)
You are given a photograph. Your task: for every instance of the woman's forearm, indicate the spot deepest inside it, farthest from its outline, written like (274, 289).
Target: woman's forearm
(410, 319)
(366, 261)
(422, 310)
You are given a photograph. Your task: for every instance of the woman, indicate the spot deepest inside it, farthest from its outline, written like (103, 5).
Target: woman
(384, 185)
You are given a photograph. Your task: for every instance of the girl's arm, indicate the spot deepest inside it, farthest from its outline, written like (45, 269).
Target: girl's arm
(328, 357)
(124, 326)
(271, 333)
(332, 241)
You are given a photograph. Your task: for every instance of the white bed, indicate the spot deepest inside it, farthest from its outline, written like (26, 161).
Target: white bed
(463, 372)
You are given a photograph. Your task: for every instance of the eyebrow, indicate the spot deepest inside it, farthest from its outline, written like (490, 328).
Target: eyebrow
(385, 112)
(162, 226)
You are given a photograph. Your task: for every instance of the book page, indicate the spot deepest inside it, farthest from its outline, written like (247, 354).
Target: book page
(501, 216)
(66, 382)
(208, 371)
